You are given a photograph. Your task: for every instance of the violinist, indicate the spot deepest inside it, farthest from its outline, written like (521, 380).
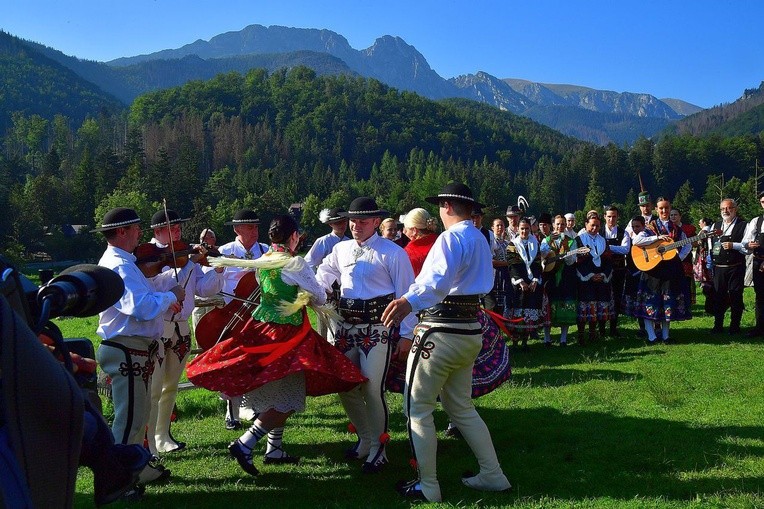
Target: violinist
(208, 239)
(130, 329)
(246, 225)
(175, 343)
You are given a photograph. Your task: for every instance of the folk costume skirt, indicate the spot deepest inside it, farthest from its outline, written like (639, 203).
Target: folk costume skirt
(265, 352)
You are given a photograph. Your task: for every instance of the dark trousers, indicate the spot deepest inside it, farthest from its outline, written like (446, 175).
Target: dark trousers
(758, 286)
(728, 286)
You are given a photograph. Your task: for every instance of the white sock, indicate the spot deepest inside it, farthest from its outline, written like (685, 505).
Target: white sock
(273, 449)
(253, 434)
(547, 334)
(650, 328)
(564, 334)
(665, 330)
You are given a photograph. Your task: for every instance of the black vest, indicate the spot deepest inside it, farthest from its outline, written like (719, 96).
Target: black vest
(618, 260)
(733, 234)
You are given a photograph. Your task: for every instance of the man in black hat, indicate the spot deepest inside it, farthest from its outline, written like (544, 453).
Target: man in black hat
(447, 340)
(371, 272)
(513, 222)
(130, 329)
(175, 343)
(477, 220)
(246, 225)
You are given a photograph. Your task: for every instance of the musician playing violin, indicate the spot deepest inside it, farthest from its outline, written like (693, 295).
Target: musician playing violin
(130, 329)
(175, 343)
(663, 294)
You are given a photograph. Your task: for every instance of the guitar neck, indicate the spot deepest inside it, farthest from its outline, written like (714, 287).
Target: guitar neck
(684, 242)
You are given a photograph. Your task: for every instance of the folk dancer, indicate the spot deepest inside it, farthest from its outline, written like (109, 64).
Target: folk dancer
(130, 330)
(663, 295)
(560, 282)
(524, 259)
(176, 339)
(372, 271)
(448, 338)
(246, 225)
(277, 358)
(619, 245)
(728, 257)
(753, 240)
(594, 272)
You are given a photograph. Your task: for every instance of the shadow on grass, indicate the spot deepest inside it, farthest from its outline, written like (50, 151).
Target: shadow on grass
(545, 453)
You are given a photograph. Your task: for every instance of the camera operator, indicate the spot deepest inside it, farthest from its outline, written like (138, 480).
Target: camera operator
(46, 425)
(130, 330)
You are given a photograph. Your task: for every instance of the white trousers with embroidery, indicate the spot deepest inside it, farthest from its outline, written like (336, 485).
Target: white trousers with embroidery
(440, 364)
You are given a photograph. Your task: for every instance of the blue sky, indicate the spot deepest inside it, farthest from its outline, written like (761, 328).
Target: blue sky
(704, 52)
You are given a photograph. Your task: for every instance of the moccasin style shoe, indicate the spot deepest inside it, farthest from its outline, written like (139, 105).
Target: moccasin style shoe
(243, 456)
(232, 424)
(153, 473)
(374, 467)
(483, 482)
(411, 490)
(284, 459)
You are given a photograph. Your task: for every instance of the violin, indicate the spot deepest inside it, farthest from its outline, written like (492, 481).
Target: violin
(151, 259)
(221, 323)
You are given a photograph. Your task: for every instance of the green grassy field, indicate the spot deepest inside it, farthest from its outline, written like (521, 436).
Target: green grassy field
(614, 424)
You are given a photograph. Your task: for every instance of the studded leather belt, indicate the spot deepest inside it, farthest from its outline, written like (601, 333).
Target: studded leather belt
(461, 308)
(356, 311)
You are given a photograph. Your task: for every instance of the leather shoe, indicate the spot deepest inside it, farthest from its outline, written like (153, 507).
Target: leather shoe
(243, 455)
(410, 490)
(453, 432)
(374, 467)
(281, 460)
(232, 424)
(356, 452)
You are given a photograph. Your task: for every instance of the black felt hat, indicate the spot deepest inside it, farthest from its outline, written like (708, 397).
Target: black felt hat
(118, 218)
(545, 217)
(454, 191)
(244, 216)
(513, 210)
(160, 219)
(332, 215)
(363, 208)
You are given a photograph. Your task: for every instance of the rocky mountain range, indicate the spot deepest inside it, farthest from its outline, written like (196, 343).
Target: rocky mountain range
(398, 64)
(594, 115)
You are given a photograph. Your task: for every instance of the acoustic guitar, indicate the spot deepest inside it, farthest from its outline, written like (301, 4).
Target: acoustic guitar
(551, 261)
(648, 257)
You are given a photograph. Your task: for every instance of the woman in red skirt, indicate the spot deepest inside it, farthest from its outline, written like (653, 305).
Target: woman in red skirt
(277, 358)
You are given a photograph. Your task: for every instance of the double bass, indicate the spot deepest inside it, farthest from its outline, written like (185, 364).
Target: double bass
(221, 323)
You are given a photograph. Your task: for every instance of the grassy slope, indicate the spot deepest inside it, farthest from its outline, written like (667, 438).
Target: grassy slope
(617, 424)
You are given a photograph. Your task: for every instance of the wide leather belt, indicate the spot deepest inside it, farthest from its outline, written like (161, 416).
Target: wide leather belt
(364, 311)
(454, 308)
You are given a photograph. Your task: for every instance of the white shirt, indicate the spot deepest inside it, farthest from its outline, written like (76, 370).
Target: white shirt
(138, 312)
(232, 275)
(625, 246)
(459, 263)
(195, 281)
(321, 248)
(371, 269)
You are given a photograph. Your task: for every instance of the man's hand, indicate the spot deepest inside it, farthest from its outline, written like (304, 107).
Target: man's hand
(395, 312)
(402, 350)
(179, 292)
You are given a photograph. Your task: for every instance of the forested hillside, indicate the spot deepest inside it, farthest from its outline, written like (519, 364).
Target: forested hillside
(269, 140)
(32, 84)
(744, 116)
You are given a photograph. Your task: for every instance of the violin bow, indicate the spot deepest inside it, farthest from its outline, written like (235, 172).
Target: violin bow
(169, 236)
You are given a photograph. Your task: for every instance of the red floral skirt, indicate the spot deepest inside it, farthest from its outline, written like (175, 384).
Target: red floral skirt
(264, 352)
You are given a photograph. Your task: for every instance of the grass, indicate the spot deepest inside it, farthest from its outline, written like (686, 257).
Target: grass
(614, 424)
